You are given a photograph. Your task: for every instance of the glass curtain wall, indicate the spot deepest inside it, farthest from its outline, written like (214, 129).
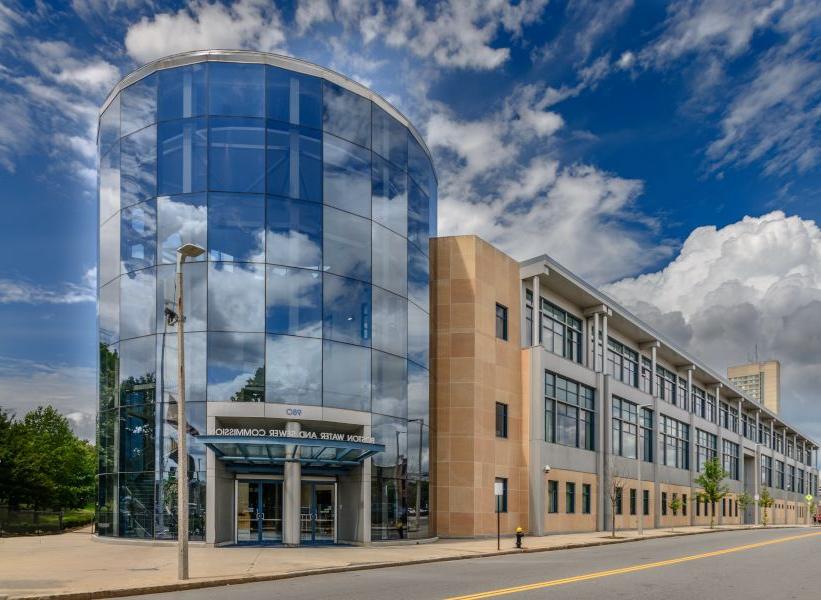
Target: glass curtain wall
(315, 207)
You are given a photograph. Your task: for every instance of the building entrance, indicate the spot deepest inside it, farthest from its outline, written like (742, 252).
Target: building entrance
(317, 513)
(259, 512)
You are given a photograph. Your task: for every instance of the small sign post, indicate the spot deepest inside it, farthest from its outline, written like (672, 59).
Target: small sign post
(498, 492)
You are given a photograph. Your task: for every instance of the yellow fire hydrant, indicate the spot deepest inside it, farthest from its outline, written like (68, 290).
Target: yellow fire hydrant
(519, 535)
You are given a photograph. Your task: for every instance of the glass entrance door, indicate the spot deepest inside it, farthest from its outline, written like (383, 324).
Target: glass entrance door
(317, 523)
(259, 512)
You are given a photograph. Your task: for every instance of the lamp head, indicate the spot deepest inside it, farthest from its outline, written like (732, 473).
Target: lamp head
(190, 250)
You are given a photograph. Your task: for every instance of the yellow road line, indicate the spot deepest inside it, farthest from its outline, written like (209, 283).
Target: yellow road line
(632, 569)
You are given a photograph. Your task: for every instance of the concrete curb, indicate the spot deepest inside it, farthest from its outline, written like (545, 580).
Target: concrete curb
(226, 581)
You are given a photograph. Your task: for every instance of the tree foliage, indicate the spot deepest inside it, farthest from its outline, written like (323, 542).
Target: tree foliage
(765, 501)
(710, 480)
(42, 463)
(744, 500)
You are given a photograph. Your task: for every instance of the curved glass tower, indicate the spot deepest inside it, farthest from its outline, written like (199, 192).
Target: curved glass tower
(314, 199)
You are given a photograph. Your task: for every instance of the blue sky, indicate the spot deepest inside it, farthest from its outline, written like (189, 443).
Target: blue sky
(668, 150)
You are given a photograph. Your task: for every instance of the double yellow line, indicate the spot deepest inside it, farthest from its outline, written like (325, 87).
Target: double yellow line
(632, 569)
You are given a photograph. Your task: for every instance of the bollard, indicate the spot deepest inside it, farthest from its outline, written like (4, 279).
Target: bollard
(519, 536)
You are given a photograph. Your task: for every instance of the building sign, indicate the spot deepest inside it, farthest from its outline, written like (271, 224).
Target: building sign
(330, 436)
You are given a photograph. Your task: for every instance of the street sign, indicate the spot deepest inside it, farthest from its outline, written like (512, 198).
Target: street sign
(756, 497)
(498, 488)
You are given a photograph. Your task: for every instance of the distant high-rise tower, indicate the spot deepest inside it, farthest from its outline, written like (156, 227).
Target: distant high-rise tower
(761, 381)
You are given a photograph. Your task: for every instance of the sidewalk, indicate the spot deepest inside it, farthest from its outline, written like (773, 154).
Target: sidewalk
(73, 565)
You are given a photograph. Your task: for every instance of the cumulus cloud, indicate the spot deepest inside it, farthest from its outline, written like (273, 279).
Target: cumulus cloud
(752, 284)
(245, 24)
(25, 292)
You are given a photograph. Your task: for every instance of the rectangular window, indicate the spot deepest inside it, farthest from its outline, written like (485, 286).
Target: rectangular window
(501, 322)
(586, 500)
(767, 471)
(624, 428)
(528, 318)
(501, 420)
(622, 363)
(666, 383)
(569, 408)
(664, 503)
(674, 443)
(619, 499)
(552, 496)
(724, 507)
(706, 446)
(560, 332)
(501, 501)
(698, 507)
(645, 502)
(684, 504)
(570, 497)
(730, 458)
(632, 501)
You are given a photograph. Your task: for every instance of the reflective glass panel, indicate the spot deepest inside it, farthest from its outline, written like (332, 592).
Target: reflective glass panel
(195, 354)
(294, 161)
(236, 89)
(182, 147)
(346, 372)
(138, 103)
(389, 260)
(419, 167)
(390, 138)
(346, 114)
(418, 444)
(390, 196)
(138, 370)
(294, 236)
(390, 322)
(194, 296)
(136, 505)
(418, 278)
(109, 250)
(109, 376)
(182, 92)
(418, 335)
(346, 176)
(346, 310)
(138, 236)
(293, 301)
(236, 155)
(391, 432)
(181, 220)
(110, 183)
(390, 385)
(109, 312)
(109, 128)
(347, 244)
(138, 300)
(293, 370)
(107, 423)
(137, 438)
(236, 297)
(293, 97)
(418, 393)
(236, 227)
(138, 166)
(236, 369)
(418, 219)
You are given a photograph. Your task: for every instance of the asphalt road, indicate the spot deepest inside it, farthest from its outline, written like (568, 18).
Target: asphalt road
(777, 563)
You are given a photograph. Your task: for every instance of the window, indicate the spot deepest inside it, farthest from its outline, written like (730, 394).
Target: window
(569, 408)
(346, 310)
(632, 501)
(698, 507)
(501, 420)
(501, 322)
(501, 501)
(645, 500)
(528, 318)
(646, 423)
(236, 367)
(346, 176)
(790, 475)
(236, 154)
(666, 384)
(622, 362)
(236, 89)
(390, 260)
(586, 498)
(674, 443)
(346, 376)
(625, 427)
(294, 161)
(730, 458)
(766, 471)
(684, 504)
(552, 496)
(293, 98)
(706, 446)
(699, 401)
(389, 196)
(619, 498)
(645, 379)
(181, 161)
(664, 503)
(570, 497)
(724, 507)
(710, 408)
(294, 373)
(561, 332)
(681, 394)
(346, 114)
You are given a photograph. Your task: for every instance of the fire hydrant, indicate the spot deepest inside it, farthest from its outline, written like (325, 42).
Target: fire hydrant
(519, 535)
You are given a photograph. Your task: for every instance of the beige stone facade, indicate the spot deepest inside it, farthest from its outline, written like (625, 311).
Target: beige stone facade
(761, 381)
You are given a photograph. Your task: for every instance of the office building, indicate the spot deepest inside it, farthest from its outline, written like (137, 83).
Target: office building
(760, 381)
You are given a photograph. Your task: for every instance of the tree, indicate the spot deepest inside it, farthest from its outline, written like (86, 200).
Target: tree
(711, 482)
(675, 506)
(765, 501)
(810, 500)
(615, 494)
(744, 500)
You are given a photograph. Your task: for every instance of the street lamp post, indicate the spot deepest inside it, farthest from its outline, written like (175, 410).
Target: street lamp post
(183, 252)
(639, 459)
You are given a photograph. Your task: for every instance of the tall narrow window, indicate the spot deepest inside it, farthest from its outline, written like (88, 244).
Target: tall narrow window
(570, 497)
(552, 496)
(501, 420)
(664, 503)
(645, 502)
(619, 499)
(586, 498)
(501, 322)
(632, 501)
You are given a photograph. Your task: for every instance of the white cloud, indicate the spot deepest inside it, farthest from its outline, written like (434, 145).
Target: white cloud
(310, 12)
(24, 292)
(70, 389)
(754, 283)
(246, 24)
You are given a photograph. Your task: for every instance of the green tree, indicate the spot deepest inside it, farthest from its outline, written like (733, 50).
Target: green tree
(6, 456)
(711, 483)
(675, 506)
(744, 500)
(809, 499)
(765, 501)
(49, 466)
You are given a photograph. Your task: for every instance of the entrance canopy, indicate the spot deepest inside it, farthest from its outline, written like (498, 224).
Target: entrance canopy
(240, 452)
